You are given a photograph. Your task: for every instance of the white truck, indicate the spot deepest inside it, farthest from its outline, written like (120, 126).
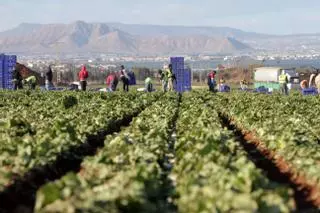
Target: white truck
(268, 78)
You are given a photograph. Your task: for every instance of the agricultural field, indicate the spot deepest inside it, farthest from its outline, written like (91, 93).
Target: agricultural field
(70, 152)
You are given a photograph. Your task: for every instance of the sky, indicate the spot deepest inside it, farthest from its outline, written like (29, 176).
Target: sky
(262, 16)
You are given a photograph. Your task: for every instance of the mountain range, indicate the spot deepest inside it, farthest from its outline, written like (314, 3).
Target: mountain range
(80, 37)
(115, 38)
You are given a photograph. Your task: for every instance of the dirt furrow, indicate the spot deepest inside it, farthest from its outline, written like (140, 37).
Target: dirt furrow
(167, 164)
(20, 196)
(277, 169)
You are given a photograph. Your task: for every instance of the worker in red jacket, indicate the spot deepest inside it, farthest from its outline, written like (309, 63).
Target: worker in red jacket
(112, 82)
(83, 75)
(211, 80)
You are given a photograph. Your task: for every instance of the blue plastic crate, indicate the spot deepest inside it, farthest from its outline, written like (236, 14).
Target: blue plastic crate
(1, 71)
(225, 88)
(10, 58)
(7, 65)
(262, 89)
(309, 91)
(183, 75)
(177, 59)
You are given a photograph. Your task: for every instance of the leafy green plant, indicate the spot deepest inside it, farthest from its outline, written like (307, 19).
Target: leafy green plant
(212, 171)
(35, 129)
(125, 176)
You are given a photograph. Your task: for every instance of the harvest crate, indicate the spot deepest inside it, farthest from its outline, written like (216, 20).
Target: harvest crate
(1, 71)
(309, 91)
(7, 65)
(183, 75)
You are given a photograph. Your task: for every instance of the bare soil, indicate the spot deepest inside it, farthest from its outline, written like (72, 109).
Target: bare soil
(307, 193)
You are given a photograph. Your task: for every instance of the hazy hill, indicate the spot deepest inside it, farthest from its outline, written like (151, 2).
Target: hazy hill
(156, 30)
(118, 38)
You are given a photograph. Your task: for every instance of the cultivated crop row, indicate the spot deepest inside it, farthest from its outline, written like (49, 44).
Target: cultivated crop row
(126, 175)
(285, 129)
(177, 154)
(38, 128)
(213, 172)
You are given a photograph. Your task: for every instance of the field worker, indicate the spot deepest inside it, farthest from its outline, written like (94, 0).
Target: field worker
(244, 84)
(31, 81)
(171, 77)
(174, 79)
(164, 77)
(17, 78)
(161, 75)
(83, 75)
(312, 76)
(49, 77)
(112, 82)
(148, 84)
(221, 84)
(283, 81)
(317, 81)
(212, 81)
(304, 84)
(125, 79)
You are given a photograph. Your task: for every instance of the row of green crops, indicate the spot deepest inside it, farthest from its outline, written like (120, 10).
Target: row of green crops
(36, 127)
(212, 171)
(287, 125)
(138, 169)
(126, 175)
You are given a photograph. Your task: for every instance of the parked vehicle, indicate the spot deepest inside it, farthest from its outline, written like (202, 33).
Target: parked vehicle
(268, 77)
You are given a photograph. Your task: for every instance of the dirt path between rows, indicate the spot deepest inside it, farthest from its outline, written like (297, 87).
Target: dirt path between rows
(168, 163)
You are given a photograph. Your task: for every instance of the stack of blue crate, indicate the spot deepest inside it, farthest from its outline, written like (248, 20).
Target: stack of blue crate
(183, 74)
(1, 71)
(7, 65)
(178, 69)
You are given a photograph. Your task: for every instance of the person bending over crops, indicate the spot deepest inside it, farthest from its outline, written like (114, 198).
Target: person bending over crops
(83, 75)
(244, 84)
(17, 78)
(148, 84)
(304, 84)
(222, 84)
(31, 81)
(124, 78)
(112, 82)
